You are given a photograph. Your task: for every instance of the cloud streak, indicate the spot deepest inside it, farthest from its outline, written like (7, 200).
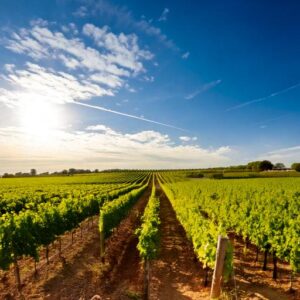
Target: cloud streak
(128, 115)
(185, 55)
(244, 104)
(164, 15)
(188, 138)
(288, 155)
(203, 89)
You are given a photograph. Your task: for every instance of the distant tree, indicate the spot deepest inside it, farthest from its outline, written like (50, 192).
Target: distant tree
(260, 165)
(72, 171)
(64, 172)
(96, 171)
(44, 174)
(279, 166)
(33, 172)
(6, 175)
(265, 165)
(253, 165)
(296, 167)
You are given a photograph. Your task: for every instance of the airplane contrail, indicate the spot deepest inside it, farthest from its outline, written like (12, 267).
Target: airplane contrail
(263, 98)
(127, 115)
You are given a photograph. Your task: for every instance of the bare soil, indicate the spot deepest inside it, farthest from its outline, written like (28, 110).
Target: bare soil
(253, 283)
(176, 274)
(124, 278)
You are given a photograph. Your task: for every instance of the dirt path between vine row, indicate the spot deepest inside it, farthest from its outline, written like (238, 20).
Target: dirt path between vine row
(126, 279)
(253, 283)
(176, 274)
(83, 275)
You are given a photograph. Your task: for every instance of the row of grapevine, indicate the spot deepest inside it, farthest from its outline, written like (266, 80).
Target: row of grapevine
(17, 198)
(148, 232)
(265, 212)
(24, 233)
(112, 213)
(202, 231)
(148, 235)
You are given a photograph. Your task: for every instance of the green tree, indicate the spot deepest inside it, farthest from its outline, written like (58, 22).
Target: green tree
(279, 166)
(33, 172)
(259, 166)
(296, 167)
(265, 165)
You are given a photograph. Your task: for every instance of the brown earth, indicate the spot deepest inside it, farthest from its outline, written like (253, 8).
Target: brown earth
(253, 283)
(176, 274)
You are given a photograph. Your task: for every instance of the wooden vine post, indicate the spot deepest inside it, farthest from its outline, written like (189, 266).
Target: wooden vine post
(17, 275)
(219, 266)
(146, 278)
(102, 236)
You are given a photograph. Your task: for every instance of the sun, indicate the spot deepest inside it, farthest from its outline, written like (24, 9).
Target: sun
(39, 119)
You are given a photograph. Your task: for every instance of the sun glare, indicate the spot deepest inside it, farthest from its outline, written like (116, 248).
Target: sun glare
(39, 119)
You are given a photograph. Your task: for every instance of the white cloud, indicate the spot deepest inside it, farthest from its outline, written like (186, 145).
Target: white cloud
(188, 138)
(149, 137)
(39, 22)
(148, 78)
(164, 15)
(185, 55)
(129, 88)
(124, 49)
(102, 147)
(81, 12)
(203, 89)
(100, 71)
(35, 82)
(107, 79)
(71, 27)
(286, 150)
(125, 18)
(100, 128)
(151, 30)
(119, 55)
(9, 67)
(287, 155)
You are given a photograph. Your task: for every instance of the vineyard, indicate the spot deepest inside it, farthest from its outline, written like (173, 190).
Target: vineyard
(135, 235)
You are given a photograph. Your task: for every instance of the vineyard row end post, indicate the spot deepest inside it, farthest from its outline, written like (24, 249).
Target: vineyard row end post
(219, 266)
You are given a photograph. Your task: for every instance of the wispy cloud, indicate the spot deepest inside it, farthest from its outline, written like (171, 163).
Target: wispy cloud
(125, 18)
(185, 55)
(164, 15)
(203, 89)
(286, 150)
(81, 12)
(287, 155)
(269, 120)
(264, 98)
(188, 138)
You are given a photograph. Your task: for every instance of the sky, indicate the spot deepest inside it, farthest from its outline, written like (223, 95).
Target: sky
(146, 84)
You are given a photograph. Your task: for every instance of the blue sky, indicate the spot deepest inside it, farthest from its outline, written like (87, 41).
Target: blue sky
(227, 73)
